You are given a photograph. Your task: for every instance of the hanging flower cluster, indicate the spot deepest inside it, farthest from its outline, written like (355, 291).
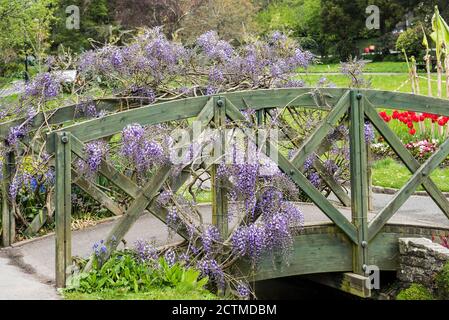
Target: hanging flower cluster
(141, 152)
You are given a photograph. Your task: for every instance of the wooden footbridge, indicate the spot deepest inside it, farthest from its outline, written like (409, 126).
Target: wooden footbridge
(346, 246)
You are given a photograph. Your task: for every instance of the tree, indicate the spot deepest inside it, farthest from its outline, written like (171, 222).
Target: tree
(25, 29)
(342, 23)
(230, 18)
(94, 24)
(152, 13)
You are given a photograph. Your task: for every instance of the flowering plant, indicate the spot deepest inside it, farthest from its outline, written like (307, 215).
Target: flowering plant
(422, 149)
(152, 69)
(412, 120)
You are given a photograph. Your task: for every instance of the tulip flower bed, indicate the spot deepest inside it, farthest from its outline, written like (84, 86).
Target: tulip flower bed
(425, 125)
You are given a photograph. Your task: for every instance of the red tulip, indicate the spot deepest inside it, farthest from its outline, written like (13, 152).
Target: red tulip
(412, 131)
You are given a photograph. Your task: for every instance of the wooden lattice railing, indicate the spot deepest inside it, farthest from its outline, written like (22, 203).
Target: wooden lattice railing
(359, 105)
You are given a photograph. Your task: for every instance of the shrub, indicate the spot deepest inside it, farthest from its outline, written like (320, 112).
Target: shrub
(415, 292)
(442, 282)
(125, 272)
(410, 41)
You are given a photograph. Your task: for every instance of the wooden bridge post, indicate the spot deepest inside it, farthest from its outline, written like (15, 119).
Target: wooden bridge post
(359, 180)
(63, 206)
(219, 200)
(8, 219)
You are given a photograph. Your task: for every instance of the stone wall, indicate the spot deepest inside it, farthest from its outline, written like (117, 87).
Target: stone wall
(420, 260)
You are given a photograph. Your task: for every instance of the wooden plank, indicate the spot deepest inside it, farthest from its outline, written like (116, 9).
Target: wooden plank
(312, 253)
(96, 193)
(149, 115)
(332, 183)
(348, 282)
(324, 249)
(314, 140)
(410, 162)
(406, 101)
(142, 201)
(313, 98)
(219, 199)
(59, 116)
(107, 170)
(298, 177)
(63, 207)
(8, 219)
(190, 107)
(359, 180)
(329, 180)
(407, 190)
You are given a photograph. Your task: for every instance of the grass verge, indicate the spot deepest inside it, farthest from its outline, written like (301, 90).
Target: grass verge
(392, 174)
(155, 294)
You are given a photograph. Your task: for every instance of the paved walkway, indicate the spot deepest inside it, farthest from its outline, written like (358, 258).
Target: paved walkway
(27, 269)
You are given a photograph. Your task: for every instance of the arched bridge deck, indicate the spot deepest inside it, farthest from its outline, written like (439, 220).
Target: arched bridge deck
(324, 248)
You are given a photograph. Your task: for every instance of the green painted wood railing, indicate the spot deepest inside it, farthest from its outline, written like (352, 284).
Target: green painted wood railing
(359, 105)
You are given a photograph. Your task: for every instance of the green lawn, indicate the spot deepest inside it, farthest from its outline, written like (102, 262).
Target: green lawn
(397, 82)
(392, 174)
(156, 294)
(370, 67)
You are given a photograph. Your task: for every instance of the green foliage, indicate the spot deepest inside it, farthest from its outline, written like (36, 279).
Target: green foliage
(411, 41)
(232, 19)
(124, 274)
(25, 29)
(165, 293)
(94, 25)
(415, 292)
(301, 17)
(283, 15)
(442, 282)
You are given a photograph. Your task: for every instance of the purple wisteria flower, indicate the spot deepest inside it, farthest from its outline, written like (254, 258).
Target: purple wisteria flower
(213, 47)
(243, 290)
(369, 133)
(172, 219)
(308, 164)
(95, 152)
(46, 85)
(314, 179)
(250, 241)
(15, 134)
(142, 153)
(210, 237)
(210, 268)
(16, 184)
